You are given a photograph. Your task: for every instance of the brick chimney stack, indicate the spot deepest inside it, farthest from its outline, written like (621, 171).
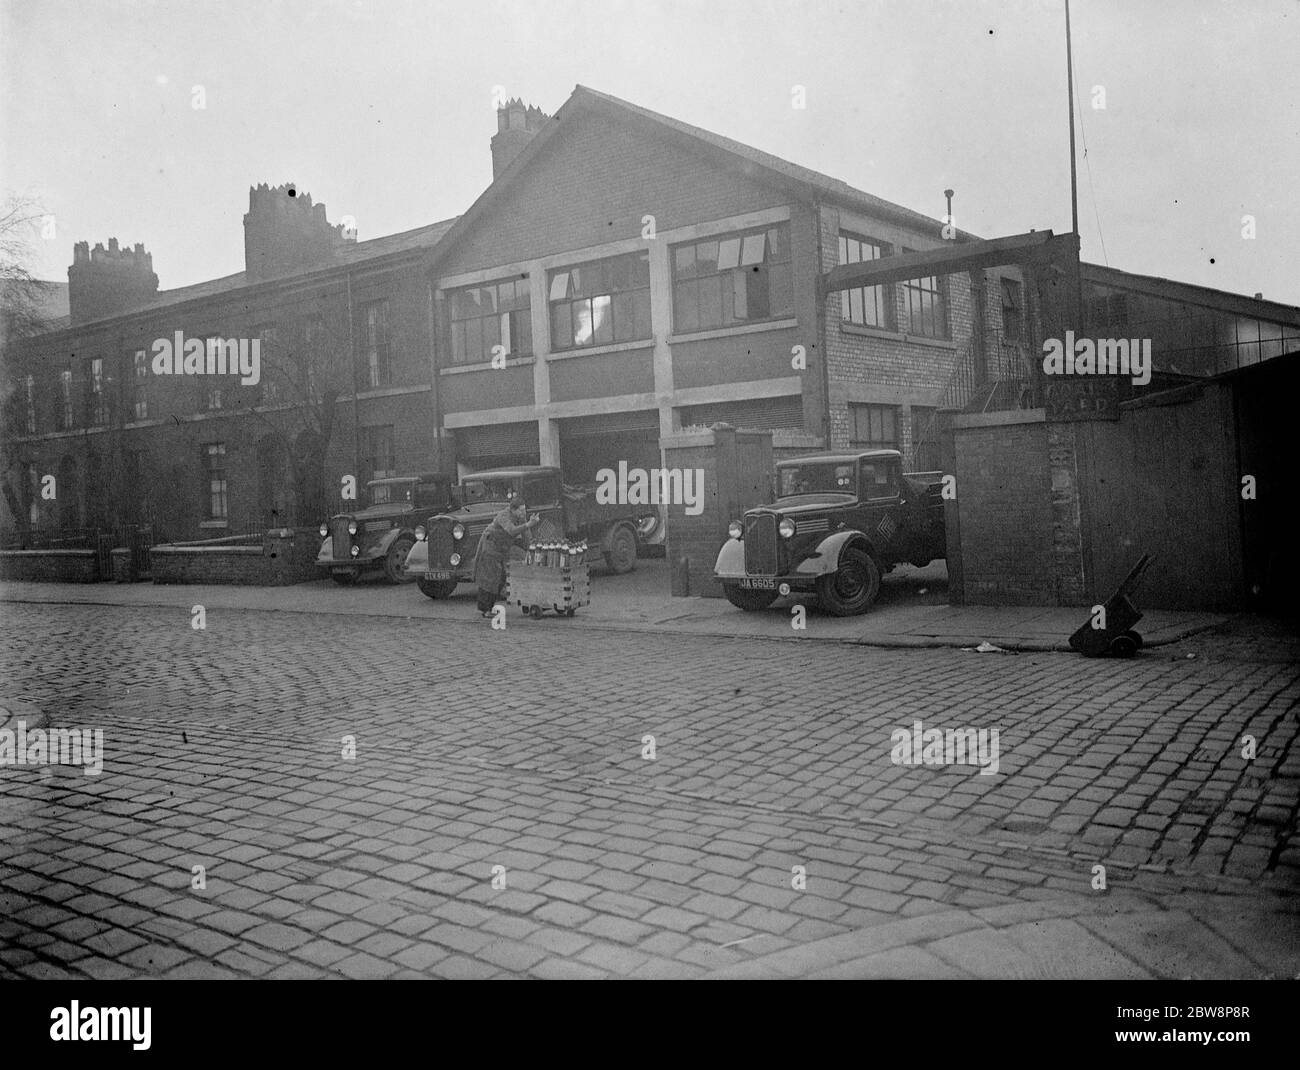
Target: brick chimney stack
(517, 123)
(103, 282)
(284, 231)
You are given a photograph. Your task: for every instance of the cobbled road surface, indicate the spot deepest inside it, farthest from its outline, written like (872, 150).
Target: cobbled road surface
(500, 816)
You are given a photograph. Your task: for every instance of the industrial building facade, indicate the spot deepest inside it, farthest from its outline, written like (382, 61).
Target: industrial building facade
(624, 276)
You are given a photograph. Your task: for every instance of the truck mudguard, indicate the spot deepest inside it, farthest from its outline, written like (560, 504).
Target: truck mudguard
(731, 560)
(827, 557)
(417, 559)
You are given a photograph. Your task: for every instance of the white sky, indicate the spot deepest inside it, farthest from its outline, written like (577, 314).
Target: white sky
(384, 111)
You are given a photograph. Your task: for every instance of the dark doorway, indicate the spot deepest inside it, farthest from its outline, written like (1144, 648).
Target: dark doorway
(1268, 452)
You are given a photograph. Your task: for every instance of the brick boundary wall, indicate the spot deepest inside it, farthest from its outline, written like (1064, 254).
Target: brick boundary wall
(285, 557)
(50, 566)
(1009, 543)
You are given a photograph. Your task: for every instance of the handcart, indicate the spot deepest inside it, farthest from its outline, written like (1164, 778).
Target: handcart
(535, 588)
(1117, 636)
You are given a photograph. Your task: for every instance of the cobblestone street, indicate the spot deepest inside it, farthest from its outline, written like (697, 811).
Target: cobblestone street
(523, 749)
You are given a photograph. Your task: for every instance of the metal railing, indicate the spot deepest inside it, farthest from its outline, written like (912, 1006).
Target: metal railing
(137, 538)
(989, 377)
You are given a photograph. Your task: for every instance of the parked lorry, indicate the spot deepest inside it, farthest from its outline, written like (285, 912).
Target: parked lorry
(381, 534)
(839, 522)
(445, 546)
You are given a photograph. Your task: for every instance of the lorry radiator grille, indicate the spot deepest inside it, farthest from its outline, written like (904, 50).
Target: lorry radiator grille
(760, 544)
(342, 540)
(440, 544)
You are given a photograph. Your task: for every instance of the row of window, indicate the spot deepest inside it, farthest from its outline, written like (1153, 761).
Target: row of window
(738, 278)
(924, 300)
(744, 277)
(283, 377)
(378, 460)
(876, 427)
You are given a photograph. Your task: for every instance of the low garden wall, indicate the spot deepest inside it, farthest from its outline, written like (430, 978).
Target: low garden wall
(50, 566)
(285, 556)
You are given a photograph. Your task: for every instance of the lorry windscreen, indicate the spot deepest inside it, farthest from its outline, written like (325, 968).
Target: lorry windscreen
(390, 493)
(487, 490)
(823, 478)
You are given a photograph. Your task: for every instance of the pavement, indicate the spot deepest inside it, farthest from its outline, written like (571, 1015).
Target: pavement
(363, 782)
(912, 611)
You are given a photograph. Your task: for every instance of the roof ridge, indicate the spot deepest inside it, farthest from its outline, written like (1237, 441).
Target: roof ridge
(798, 172)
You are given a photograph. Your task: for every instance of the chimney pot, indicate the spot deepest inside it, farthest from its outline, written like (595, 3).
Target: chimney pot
(517, 124)
(104, 282)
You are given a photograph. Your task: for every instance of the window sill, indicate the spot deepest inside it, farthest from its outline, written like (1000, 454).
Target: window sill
(214, 524)
(896, 336)
(727, 332)
(595, 351)
(485, 366)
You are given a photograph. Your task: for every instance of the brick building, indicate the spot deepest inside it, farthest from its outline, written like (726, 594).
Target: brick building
(641, 275)
(343, 383)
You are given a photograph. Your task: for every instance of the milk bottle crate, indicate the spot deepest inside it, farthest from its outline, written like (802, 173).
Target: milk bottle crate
(537, 588)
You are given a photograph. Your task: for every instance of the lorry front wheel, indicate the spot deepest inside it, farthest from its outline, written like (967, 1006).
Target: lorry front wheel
(749, 601)
(396, 558)
(852, 587)
(621, 555)
(436, 588)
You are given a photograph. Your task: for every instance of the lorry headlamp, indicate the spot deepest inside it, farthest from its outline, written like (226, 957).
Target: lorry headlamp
(352, 527)
(786, 528)
(324, 531)
(356, 550)
(458, 531)
(455, 560)
(735, 530)
(420, 533)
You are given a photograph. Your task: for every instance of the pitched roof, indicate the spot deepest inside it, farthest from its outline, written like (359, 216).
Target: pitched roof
(762, 165)
(1190, 293)
(814, 181)
(342, 255)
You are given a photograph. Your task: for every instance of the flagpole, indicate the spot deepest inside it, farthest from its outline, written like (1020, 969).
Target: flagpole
(1074, 170)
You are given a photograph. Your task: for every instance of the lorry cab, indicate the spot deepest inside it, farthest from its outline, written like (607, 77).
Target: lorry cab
(442, 555)
(379, 535)
(838, 523)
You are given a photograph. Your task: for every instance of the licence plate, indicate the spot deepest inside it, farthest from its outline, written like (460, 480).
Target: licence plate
(758, 583)
(437, 574)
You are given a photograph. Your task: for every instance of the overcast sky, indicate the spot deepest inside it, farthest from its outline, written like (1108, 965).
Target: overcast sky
(384, 111)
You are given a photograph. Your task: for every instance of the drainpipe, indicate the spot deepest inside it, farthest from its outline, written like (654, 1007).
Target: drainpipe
(356, 404)
(819, 308)
(433, 374)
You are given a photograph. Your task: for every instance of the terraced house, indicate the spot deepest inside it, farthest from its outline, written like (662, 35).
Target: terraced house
(343, 383)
